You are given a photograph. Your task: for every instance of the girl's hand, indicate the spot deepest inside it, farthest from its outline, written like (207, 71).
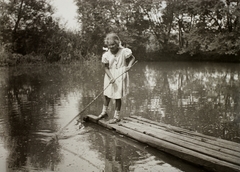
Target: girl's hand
(127, 68)
(112, 80)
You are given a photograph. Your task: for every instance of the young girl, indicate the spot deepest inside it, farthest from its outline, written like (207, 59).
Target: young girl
(116, 60)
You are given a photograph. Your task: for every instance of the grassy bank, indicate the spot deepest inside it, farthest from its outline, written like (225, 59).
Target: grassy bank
(8, 59)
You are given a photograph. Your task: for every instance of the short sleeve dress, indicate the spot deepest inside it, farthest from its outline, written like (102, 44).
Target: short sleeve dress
(117, 66)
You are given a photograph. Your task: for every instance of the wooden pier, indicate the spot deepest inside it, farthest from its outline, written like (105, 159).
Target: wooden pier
(211, 153)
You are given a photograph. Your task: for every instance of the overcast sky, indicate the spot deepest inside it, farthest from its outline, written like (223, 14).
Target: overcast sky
(67, 11)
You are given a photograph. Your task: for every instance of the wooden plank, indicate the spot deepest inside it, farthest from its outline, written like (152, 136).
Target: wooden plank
(143, 147)
(186, 144)
(188, 138)
(185, 131)
(207, 162)
(213, 140)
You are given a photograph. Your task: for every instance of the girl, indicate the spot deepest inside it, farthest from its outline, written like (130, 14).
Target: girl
(116, 60)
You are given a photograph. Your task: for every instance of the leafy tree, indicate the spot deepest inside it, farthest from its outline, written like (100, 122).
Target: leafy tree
(170, 26)
(214, 27)
(101, 17)
(94, 19)
(26, 23)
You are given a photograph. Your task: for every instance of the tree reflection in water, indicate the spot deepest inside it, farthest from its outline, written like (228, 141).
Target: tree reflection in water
(24, 119)
(202, 97)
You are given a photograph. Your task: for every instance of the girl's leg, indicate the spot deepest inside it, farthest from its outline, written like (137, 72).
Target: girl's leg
(106, 101)
(118, 104)
(116, 117)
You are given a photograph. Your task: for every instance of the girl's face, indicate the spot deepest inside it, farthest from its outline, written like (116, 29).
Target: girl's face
(113, 46)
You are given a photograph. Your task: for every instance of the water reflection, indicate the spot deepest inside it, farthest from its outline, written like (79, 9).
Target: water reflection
(120, 154)
(36, 102)
(199, 96)
(24, 118)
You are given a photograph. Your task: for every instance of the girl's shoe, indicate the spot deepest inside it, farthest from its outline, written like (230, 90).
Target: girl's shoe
(102, 115)
(114, 120)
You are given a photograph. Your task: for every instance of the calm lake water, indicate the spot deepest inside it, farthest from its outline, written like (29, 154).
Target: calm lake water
(37, 101)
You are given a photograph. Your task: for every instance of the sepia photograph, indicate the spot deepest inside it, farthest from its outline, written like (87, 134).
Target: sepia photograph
(119, 85)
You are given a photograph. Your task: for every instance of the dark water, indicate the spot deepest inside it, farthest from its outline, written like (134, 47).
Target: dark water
(37, 101)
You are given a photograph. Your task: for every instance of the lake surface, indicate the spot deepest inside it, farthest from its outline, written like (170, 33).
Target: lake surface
(37, 101)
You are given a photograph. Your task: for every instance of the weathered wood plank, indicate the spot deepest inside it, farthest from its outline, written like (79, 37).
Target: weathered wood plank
(205, 161)
(188, 138)
(186, 144)
(216, 141)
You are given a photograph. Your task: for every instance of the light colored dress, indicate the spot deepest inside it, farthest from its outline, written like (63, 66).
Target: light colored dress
(117, 66)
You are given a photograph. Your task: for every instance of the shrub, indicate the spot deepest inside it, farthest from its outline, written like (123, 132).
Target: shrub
(4, 55)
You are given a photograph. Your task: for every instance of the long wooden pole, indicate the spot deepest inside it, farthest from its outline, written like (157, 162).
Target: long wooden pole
(59, 132)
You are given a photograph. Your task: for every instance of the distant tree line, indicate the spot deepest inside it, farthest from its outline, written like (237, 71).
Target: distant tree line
(171, 26)
(29, 32)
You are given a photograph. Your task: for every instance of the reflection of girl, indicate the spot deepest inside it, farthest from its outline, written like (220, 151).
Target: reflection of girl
(113, 155)
(116, 60)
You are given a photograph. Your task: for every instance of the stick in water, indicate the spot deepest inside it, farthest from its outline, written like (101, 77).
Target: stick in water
(59, 132)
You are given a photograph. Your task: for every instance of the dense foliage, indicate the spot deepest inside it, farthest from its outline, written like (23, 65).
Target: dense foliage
(29, 33)
(171, 26)
(187, 27)
(25, 25)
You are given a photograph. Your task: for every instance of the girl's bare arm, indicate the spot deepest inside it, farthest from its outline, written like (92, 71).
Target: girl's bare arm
(131, 61)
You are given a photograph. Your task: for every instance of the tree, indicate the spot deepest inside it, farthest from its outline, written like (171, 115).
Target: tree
(26, 23)
(213, 28)
(101, 17)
